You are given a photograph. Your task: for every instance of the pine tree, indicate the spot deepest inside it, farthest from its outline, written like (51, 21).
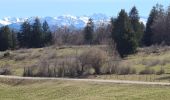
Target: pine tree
(24, 36)
(47, 35)
(112, 22)
(136, 25)
(5, 38)
(123, 35)
(147, 38)
(37, 34)
(14, 40)
(88, 32)
(160, 35)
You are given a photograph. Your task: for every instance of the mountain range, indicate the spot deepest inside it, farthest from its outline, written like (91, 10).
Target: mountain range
(64, 20)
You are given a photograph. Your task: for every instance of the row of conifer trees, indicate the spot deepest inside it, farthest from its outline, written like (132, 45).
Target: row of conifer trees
(127, 32)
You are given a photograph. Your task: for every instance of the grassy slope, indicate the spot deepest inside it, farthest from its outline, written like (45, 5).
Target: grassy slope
(26, 57)
(21, 58)
(64, 90)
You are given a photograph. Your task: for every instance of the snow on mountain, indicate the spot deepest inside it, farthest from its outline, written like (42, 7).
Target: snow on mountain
(143, 20)
(65, 20)
(4, 22)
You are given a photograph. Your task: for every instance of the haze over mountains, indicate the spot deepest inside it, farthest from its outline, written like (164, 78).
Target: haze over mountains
(64, 20)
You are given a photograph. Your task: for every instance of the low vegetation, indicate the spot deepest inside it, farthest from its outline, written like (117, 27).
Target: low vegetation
(78, 61)
(88, 62)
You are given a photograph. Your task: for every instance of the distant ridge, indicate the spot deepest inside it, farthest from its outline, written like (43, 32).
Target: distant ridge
(64, 20)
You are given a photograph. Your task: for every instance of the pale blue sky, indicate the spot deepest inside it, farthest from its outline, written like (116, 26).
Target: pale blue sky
(27, 8)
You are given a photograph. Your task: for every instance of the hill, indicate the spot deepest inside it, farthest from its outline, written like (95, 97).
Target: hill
(152, 58)
(64, 20)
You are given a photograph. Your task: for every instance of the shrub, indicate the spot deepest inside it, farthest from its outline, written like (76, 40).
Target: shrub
(161, 71)
(126, 70)
(5, 71)
(69, 69)
(43, 69)
(111, 67)
(94, 58)
(28, 71)
(6, 54)
(62, 68)
(147, 71)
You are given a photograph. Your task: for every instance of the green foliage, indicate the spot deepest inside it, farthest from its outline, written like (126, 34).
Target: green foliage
(14, 40)
(161, 26)
(37, 34)
(88, 32)
(24, 37)
(34, 36)
(6, 38)
(147, 38)
(123, 35)
(138, 27)
(47, 35)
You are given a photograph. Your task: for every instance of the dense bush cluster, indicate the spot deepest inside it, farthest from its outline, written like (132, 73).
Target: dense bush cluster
(91, 62)
(87, 63)
(5, 70)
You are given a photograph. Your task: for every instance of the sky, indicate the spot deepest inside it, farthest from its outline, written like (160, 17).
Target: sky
(28, 8)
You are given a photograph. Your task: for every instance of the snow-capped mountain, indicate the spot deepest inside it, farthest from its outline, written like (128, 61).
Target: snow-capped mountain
(65, 20)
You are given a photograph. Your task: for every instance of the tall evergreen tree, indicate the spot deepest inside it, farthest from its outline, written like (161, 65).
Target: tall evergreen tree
(136, 25)
(47, 35)
(88, 32)
(14, 40)
(24, 36)
(147, 37)
(5, 38)
(123, 35)
(37, 34)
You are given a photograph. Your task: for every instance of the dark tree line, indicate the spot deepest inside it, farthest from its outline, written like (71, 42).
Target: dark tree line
(34, 36)
(30, 36)
(126, 31)
(7, 38)
(158, 27)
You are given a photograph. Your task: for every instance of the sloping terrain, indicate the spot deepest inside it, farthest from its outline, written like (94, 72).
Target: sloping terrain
(66, 90)
(153, 58)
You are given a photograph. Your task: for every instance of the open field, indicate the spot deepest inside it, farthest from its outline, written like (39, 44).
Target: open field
(11, 89)
(153, 58)
(147, 78)
(19, 59)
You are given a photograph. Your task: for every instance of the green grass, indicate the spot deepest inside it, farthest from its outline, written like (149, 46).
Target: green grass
(146, 78)
(67, 90)
(27, 57)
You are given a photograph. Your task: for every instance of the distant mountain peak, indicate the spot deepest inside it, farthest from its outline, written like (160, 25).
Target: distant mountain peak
(64, 20)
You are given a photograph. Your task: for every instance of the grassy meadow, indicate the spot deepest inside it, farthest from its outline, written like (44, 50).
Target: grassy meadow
(12, 89)
(67, 90)
(153, 57)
